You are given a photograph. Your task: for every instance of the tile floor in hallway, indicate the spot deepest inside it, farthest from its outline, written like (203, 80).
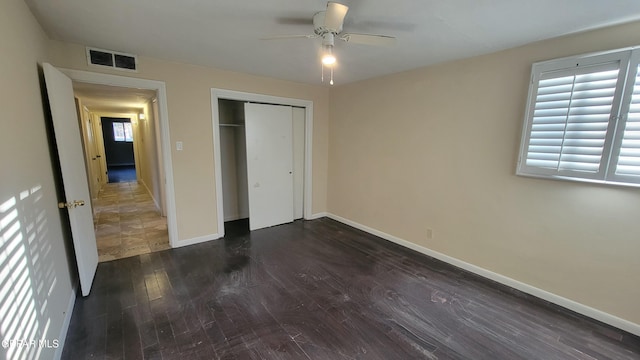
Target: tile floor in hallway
(128, 222)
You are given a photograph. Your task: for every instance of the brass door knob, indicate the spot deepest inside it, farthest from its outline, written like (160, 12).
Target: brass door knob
(71, 205)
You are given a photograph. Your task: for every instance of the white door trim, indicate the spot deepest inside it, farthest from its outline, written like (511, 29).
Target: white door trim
(160, 88)
(217, 94)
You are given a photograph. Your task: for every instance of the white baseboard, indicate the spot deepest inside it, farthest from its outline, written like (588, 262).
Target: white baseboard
(317, 216)
(196, 240)
(155, 201)
(526, 288)
(65, 325)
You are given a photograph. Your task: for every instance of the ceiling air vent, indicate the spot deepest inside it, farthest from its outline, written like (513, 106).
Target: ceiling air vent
(112, 59)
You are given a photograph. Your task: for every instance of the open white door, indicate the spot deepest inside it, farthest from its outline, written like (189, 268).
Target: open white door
(269, 130)
(74, 176)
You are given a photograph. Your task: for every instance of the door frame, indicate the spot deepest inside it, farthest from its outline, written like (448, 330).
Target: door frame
(163, 123)
(217, 94)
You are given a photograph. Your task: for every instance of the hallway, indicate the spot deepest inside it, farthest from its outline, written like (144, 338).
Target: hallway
(128, 222)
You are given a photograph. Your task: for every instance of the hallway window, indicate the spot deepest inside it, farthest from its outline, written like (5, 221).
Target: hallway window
(122, 131)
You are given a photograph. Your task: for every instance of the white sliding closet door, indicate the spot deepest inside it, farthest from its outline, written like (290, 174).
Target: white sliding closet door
(269, 130)
(298, 162)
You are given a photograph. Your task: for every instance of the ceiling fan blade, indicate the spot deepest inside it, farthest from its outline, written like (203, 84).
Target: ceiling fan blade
(366, 25)
(334, 16)
(294, 21)
(280, 37)
(367, 39)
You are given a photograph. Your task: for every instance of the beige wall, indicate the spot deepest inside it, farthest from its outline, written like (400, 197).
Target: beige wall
(36, 281)
(148, 153)
(190, 121)
(436, 148)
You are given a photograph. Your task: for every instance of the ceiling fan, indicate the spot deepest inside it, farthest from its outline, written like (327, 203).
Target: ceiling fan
(328, 26)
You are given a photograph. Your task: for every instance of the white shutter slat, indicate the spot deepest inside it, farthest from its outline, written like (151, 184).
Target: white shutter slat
(581, 150)
(553, 96)
(589, 110)
(630, 135)
(542, 163)
(577, 166)
(549, 142)
(554, 104)
(589, 88)
(630, 144)
(580, 158)
(592, 101)
(586, 126)
(594, 135)
(544, 149)
(548, 127)
(584, 142)
(629, 161)
(546, 156)
(629, 152)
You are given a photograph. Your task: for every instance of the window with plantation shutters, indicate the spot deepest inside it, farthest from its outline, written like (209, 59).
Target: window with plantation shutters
(583, 119)
(627, 154)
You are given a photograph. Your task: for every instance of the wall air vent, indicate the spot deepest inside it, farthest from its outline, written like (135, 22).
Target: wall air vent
(113, 59)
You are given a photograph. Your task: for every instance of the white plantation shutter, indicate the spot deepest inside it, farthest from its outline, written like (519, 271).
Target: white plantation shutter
(572, 126)
(627, 154)
(571, 118)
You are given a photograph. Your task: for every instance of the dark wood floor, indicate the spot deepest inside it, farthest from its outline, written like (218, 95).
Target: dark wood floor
(320, 290)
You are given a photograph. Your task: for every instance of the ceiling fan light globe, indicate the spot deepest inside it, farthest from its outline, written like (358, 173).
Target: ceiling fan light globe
(329, 59)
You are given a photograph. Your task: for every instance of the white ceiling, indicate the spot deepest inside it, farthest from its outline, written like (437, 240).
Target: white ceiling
(112, 98)
(226, 33)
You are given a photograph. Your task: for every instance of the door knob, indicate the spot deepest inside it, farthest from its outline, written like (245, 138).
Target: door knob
(71, 205)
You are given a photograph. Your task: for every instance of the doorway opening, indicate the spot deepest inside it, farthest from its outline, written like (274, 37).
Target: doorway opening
(262, 159)
(117, 137)
(124, 158)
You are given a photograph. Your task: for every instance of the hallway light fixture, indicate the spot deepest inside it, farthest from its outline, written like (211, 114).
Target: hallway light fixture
(141, 116)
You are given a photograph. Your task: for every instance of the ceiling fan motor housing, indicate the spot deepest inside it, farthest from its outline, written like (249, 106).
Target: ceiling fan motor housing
(319, 25)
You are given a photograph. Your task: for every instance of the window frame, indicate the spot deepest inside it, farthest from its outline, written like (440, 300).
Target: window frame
(128, 125)
(629, 59)
(630, 83)
(124, 126)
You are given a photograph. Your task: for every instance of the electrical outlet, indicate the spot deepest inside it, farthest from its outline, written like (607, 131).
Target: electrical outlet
(429, 234)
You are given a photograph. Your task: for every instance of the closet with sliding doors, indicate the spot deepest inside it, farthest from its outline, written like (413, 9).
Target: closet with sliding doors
(262, 162)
